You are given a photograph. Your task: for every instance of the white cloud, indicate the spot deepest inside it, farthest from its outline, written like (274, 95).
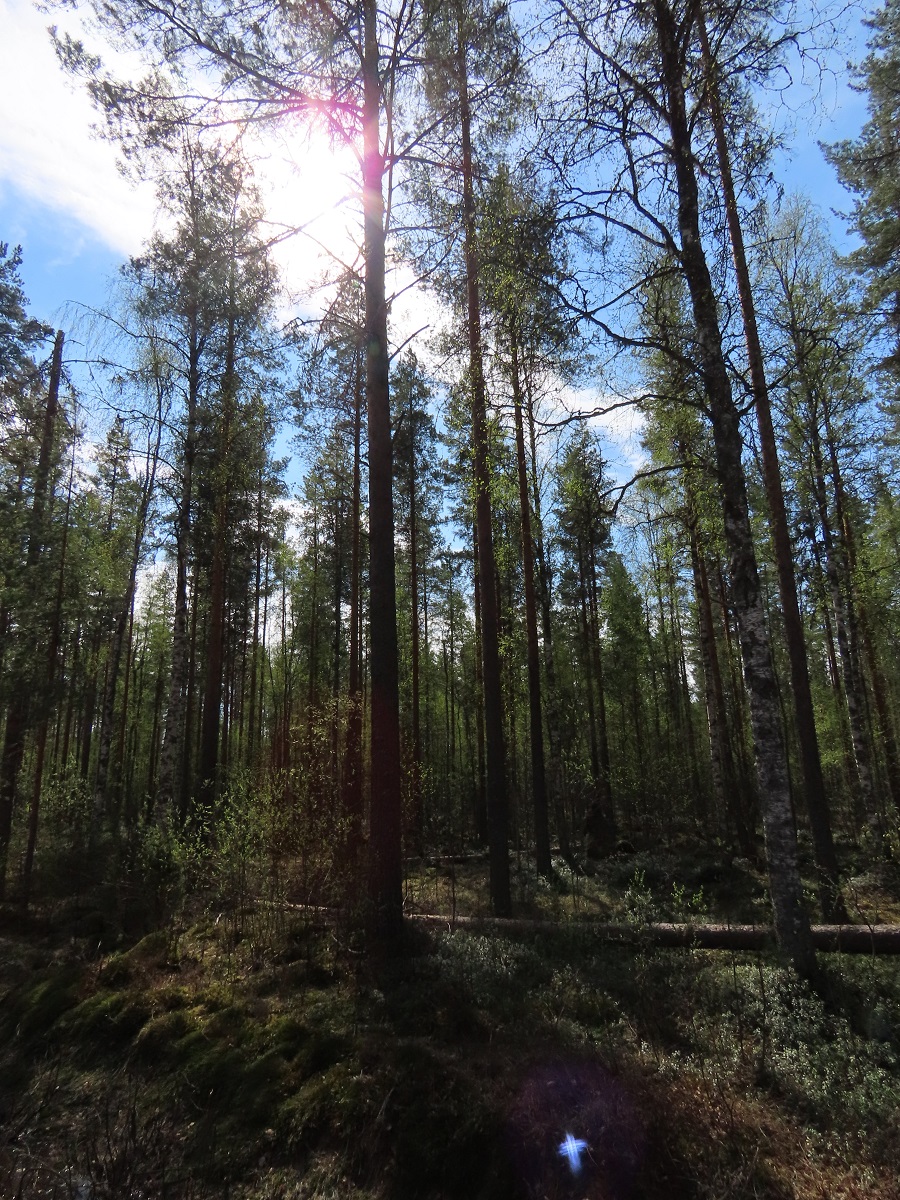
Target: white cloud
(46, 148)
(619, 423)
(50, 155)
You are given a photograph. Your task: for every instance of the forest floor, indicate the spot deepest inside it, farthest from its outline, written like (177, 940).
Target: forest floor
(253, 1052)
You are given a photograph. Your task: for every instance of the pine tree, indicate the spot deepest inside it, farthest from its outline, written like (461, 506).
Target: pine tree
(869, 167)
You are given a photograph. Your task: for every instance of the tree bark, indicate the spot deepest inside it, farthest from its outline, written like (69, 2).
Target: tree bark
(724, 782)
(17, 715)
(416, 764)
(791, 918)
(481, 817)
(352, 766)
(495, 749)
(210, 729)
(850, 676)
(536, 726)
(816, 800)
(171, 758)
(385, 860)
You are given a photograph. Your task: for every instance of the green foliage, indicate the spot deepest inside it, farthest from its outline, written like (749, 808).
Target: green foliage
(19, 333)
(870, 168)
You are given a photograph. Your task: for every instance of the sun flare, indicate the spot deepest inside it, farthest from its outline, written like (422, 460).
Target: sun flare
(311, 190)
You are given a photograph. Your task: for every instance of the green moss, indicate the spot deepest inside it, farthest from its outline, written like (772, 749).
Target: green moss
(396, 1076)
(34, 1008)
(163, 1034)
(152, 950)
(116, 972)
(105, 1019)
(334, 1104)
(215, 997)
(288, 1035)
(442, 1130)
(173, 998)
(228, 1024)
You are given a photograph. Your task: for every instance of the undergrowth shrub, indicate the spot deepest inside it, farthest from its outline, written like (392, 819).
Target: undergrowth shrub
(62, 865)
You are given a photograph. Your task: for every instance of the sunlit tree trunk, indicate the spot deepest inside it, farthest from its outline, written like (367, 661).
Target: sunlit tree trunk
(385, 860)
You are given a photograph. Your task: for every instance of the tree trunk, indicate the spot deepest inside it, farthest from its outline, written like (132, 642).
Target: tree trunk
(416, 764)
(169, 779)
(55, 633)
(538, 772)
(385, 857)
(481, 817)
(850, 676)
(124, 620)
(597, 664)
(498, 834)
(17, 716)
(554, 737)
(352, 775)
(791, 918)
(724, 782)
(816, 800)
(210, 730)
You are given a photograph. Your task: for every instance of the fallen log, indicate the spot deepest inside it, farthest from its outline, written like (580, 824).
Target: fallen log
(832, 939)
(839, 939)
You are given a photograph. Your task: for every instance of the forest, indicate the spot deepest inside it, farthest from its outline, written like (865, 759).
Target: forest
(405, 790)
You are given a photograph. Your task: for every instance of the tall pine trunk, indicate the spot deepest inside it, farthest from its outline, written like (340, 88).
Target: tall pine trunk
(830, 899)
(172, 754)
(210, 727)
(385, 857)
(351, 783)
(17, 715)
(791, 918)
(495, 747)
(536, 723)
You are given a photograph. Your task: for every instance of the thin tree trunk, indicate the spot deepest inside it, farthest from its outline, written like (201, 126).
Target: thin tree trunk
(416, 765)
(830, 900)
(55, 632)
(597, 663)
(352, 778)
(853, 684)
(588, 669)
(385, 856)
(791, 918)
(124, 622)
(169, 782)
(554, 737)
(17, 716)
(536, 727)
(724, 782)
(254, 651)
(495, 748)
(211, 725)
(481, 817)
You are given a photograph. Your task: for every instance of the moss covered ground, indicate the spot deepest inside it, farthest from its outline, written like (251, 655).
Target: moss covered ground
(261, 1054)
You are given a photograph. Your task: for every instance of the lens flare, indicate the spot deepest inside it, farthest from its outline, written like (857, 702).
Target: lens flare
(572, 1149)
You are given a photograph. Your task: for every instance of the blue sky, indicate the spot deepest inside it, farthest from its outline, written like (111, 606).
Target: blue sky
(64, 261)
(77, 218)
(62, 197)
